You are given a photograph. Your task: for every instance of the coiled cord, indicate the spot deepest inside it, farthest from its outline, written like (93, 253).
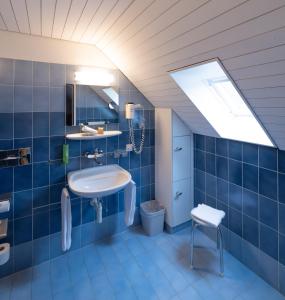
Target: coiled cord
(137, 150)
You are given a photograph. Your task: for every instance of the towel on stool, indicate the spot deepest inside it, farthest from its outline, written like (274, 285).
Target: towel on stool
(208, 214)
(66, 220)
(130, 202)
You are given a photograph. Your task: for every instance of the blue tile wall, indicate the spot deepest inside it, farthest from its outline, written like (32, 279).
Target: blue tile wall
(32, 114)
(247, 181)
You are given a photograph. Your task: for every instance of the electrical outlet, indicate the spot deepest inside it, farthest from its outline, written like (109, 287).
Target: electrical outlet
(129, 147)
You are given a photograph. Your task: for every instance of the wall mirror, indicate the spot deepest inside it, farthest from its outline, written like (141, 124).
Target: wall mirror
(91, 104)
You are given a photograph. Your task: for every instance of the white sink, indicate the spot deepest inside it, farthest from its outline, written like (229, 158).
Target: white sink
(98, 181)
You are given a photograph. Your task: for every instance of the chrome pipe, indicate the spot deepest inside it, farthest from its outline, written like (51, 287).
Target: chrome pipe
(192, 244)
(221, 251)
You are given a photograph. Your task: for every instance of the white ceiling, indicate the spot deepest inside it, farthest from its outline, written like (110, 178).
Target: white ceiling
(145, 39)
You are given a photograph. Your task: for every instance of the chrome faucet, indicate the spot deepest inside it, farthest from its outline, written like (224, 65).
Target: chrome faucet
(96, 155)
(81, 125)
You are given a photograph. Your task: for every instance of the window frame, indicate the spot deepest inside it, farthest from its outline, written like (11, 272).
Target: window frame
(216, 59)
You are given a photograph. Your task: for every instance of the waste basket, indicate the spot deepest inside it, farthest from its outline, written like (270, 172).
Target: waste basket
(152, 215)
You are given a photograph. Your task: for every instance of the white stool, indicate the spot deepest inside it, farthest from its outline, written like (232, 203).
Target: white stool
(204, 215)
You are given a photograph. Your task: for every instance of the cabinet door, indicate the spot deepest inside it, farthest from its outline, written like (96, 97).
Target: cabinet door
(182, 201)
(179, 128)
(181, 158)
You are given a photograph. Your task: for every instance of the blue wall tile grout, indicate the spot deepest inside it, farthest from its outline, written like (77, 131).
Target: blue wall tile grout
(272, 193)
(250, 217)
(244, 162)
(53, 157)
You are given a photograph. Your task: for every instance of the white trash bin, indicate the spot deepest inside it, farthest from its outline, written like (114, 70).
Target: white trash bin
(152, 215)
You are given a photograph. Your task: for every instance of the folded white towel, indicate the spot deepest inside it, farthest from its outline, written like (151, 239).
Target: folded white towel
(208, 214)
(4, 206)
(130, 202)
(66, 220)
(88, 129)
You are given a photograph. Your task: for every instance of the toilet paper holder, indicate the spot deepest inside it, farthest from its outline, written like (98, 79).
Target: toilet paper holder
(3, 228)
(4, 248)
(4, 205)
(4, 253)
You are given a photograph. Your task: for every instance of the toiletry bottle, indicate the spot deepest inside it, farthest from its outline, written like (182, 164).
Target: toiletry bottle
(65, 154)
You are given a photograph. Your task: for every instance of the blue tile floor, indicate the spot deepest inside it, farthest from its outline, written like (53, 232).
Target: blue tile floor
(133, 266)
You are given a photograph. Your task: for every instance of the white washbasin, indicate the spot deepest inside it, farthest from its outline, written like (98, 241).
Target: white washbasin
(98, 181)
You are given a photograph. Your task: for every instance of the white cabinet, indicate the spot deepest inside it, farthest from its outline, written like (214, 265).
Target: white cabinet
(182, 201)
(173, 167)
(181, 157)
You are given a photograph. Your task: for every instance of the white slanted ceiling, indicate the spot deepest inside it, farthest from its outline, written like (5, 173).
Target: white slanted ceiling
(146, 39)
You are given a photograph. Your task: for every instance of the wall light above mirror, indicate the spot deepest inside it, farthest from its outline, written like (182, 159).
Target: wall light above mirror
(100, 77)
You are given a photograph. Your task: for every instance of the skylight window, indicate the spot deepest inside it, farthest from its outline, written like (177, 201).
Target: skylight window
(212, 91)
(111, 93)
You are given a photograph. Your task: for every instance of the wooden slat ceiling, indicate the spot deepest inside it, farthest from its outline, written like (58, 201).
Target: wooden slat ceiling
(146, 39)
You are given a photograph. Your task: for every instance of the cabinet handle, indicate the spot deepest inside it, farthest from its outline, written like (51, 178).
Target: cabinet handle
(178, 149)
(177, 195)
